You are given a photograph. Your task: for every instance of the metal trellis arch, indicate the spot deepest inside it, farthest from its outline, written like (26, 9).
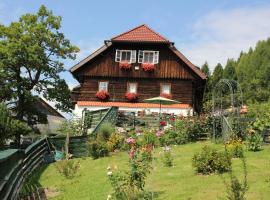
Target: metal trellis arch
(227, 101)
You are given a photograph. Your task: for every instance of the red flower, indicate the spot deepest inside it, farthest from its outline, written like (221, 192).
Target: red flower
(148, 67)
(124, 65)
(162, 123)
(168, 96)
(102, 95)
(131, 96)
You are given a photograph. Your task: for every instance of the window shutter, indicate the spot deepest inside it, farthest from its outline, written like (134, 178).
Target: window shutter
(133, 56)
(117, 55)
(140, 56)
(156, 56)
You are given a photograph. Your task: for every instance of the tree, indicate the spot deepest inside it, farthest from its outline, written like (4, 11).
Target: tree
(205, 69)
(9, 127)
(229, 70)
(217, 75)
(32, 51)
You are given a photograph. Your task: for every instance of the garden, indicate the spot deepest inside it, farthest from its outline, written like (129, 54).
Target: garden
(168, 163)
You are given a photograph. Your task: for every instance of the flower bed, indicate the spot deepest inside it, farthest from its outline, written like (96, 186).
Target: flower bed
(148, 67)
(131, 96)
(102, 95)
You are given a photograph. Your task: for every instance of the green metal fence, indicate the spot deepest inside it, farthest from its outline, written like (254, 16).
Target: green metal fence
(16, 165)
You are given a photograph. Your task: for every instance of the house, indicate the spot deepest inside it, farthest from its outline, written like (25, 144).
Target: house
(54, 118)
(133, 66)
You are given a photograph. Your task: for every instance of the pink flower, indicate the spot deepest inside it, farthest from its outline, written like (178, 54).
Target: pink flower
(159, 133)
(130, 140)
(138, 132)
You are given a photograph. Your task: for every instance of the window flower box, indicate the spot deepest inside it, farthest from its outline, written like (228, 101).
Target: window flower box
(102, 95)
(131, 96)
(125, 65)
(148, 67)
(165, 95)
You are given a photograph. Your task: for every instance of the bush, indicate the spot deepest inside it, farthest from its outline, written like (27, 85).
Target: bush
(68, 168)
(209, 160)
(235, 148)
(254, 141)
(115, 142)
(98, 149)
(105, 131)
(167, 158)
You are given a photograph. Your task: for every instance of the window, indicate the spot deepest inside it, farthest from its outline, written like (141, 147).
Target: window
(103, 85)
(125, 56)
(148, 57)
(132, 87)
(165, 88)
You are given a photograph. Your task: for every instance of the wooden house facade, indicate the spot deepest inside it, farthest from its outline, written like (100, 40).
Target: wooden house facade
(134, 66)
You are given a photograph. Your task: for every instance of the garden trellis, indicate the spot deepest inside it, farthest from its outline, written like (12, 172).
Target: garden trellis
(227, 101)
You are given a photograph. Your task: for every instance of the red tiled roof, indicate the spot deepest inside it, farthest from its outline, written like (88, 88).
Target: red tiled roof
(130, 105)
(142, 33)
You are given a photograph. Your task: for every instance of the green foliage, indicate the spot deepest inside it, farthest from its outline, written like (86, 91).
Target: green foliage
(235, 148)
(209, 160)
(32, 51)
(105, 131)
(217, 75)
(10, 127)
(73, 126)
(261, 113)
(98, 149)
(115, 142)
(229, 70)
(130, 184)
(68, 168)
(254, 141)
(236, 189)
(167, 158)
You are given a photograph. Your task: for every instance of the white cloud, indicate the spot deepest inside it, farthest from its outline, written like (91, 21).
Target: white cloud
(223, 34)
(87, 47)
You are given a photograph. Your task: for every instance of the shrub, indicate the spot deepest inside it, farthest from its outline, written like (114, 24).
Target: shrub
(105, 132)
(115, 142)
(98, 149)
(68, 168)
(209, 160)
(167, 158)
(235, 148)
(254, 141)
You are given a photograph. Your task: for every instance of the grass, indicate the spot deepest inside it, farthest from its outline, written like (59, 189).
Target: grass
(178, 182)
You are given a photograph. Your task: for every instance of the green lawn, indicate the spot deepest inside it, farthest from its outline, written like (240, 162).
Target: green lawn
(178, 182)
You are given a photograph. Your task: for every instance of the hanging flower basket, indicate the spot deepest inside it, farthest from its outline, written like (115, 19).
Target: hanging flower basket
(131, 96)
(125, 65)
(168, 96)
(148, 67)
(102, 95)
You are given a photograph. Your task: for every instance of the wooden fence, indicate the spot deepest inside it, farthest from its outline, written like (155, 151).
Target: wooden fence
(16, 165)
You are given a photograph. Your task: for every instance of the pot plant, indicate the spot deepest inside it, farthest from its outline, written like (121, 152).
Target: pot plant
(165, 95)
(125, 65)
(102, 95)
(130, 96)
(148, 67)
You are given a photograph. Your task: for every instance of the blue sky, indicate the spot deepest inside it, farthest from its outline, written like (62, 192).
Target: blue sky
(203, 30)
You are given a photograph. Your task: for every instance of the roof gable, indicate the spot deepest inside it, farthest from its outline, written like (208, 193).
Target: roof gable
(141, 33)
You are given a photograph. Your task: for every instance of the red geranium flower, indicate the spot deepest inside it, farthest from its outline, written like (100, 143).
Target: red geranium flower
(162, 123)
(168, 96)
(148, 67)
(102, 95)
(124, 65)
(131, 96)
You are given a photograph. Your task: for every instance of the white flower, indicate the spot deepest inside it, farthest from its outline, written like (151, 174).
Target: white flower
(109, 167)
(167, 148)
(109, 173)
(109, 197)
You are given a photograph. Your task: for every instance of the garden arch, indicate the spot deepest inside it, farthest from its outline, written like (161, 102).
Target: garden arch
(227, 101)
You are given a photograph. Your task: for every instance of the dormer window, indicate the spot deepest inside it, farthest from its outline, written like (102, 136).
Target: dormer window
(128, 56)
(148, 57)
